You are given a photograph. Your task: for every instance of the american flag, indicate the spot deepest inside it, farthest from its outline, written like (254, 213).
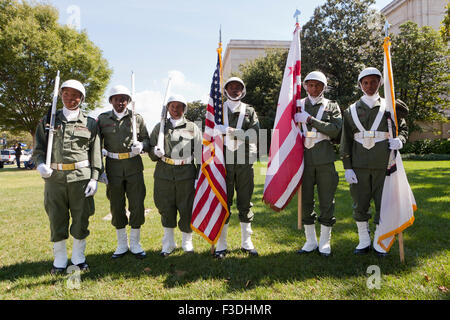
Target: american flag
(285, 167)
(210, 209)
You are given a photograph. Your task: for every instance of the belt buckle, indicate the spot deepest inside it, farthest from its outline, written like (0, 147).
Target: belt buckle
(68, 166)
(169, 161)
(368, 134)
(124, 156)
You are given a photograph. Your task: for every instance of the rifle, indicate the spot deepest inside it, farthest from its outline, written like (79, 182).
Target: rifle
(133, 107)
(51, 127)
(160, 144)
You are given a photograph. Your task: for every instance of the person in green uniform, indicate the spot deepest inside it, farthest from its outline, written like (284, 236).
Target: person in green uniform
(175, 173)
(321, 121)
(240, 130)
(71, 178)
(366, 143)
(124, 169)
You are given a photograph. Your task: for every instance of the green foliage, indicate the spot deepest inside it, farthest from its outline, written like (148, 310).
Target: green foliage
(263, 77)
(421, 72)
(196, 112)
(33, 46)
(445, 25)
(427, 146)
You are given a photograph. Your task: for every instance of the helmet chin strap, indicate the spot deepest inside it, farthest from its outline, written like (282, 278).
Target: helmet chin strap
(315, 99)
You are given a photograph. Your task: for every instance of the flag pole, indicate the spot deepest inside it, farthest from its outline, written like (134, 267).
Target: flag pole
(401, 248)
(219, 52)
(299, 193)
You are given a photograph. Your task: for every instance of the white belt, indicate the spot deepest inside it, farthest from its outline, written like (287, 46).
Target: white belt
(176, 162)
(369, 138)
(311, 138)
(69, 166)
(120, 156)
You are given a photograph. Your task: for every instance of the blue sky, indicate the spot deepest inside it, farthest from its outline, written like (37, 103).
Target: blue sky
(158, 38)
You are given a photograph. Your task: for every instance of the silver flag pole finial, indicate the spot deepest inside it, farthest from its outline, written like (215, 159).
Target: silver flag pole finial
(386, 28)
(296, 14)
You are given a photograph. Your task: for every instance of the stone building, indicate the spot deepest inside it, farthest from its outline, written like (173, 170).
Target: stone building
(242, 51)
(423, 12)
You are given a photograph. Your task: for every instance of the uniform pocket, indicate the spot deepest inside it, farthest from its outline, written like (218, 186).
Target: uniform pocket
(80, 138)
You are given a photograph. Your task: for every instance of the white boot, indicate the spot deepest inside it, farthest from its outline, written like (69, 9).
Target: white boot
(60, 254)
(221, 245)
(378, 249)
(325, 239)
(311, 239)
(246, 240)
(135, 246)
(78, 248)
(168, 242)
(186, 244)
(122, 243)
(364, 237)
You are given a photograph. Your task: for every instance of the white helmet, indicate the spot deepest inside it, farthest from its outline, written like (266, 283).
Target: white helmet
(178, 98)
(368, 72)
(235, 79)
(316, 75)
(119, 89)
(74, 84)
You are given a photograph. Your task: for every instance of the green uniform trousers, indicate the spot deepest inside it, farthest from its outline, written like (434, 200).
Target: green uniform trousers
(175, 196)
(326, 178)
(62, 198)
(241, 178)
(133, 187)
(369, 186)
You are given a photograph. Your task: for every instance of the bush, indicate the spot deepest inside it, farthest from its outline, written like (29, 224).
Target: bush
(427, 146)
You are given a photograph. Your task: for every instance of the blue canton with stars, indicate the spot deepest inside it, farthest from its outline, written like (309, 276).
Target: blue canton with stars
(216, 95)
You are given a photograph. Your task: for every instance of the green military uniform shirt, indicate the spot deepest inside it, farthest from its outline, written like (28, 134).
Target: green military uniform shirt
(352, 153)
(330, 125)
(248, 134)
(180, 142)
(73, 141)
(174, 189)
(117, 137)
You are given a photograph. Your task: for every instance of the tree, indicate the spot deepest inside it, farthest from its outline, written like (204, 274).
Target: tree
(196, 112)
(341, 39)
(262, 78)
(421, 72)
(33, 46)
(445, 25)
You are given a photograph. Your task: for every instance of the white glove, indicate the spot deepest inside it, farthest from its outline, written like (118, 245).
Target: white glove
(301, 117)
(350, 176)
(137, 147)
(91, 188)
(44, 170)
(158, 152)
(220, 129)
(103, 178)
(395, 144)
(231, 131)
(104, 152)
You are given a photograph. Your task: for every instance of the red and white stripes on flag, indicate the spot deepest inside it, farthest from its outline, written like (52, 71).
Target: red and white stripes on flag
(397, 201)
(210, 210)
(285, 167)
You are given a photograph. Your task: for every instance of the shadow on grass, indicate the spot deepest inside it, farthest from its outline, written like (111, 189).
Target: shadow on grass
(238, 271)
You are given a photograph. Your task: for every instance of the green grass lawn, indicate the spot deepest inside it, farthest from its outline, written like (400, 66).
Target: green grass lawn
(278, 273)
